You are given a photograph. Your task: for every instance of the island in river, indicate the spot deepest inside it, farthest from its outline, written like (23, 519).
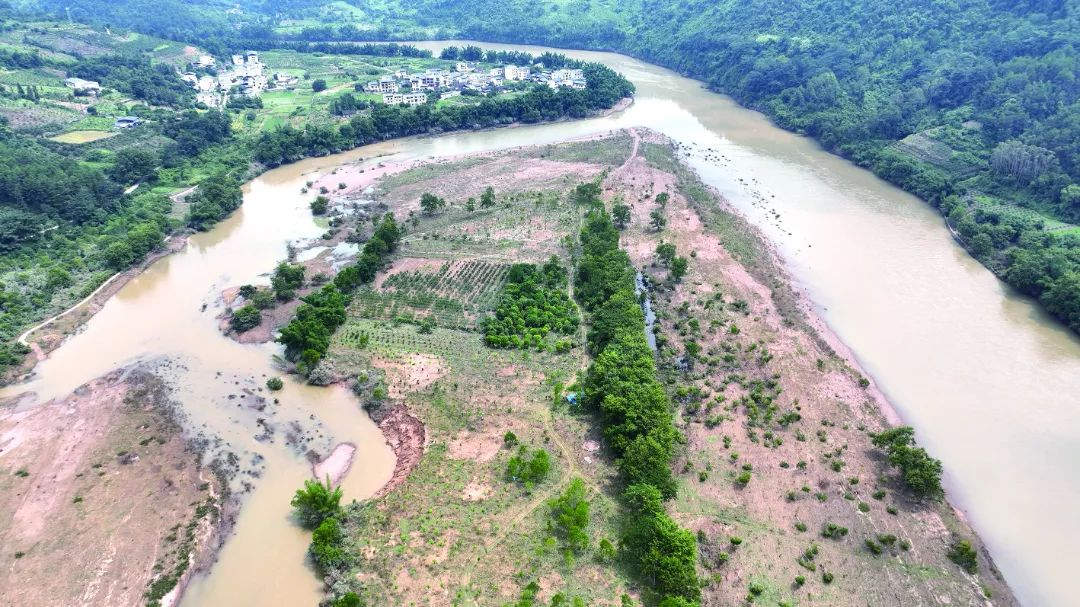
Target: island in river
(778, 479)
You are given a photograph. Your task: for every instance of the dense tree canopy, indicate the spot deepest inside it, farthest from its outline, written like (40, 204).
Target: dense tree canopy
(621, 386)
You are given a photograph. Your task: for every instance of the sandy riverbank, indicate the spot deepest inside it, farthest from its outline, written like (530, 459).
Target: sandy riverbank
(116, 505)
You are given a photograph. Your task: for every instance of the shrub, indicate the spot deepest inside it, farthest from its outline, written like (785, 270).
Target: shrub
(275, 384)
(528, 470)
(349, 599)
(605, 551)
(328, 545)
(431, 204)
(287, 279)
(246, 318)
(743, 479)
(963, 554)
(320, 205)
(920, 472)
(570, 512)
(833, 531)
(321, 374)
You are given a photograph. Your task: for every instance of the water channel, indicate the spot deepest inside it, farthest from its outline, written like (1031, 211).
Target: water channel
(988, 380)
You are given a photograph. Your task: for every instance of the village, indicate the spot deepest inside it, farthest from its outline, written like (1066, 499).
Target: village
(403, 88)
(246, 75)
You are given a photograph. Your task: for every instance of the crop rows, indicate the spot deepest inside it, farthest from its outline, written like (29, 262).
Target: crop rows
(389, 338)
(456, 295)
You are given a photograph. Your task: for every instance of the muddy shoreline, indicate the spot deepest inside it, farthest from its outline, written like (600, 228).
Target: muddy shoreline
(131, 440)
(791, 299)
(51, 333)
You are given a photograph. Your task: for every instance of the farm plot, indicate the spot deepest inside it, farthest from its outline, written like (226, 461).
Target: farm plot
(456, 296)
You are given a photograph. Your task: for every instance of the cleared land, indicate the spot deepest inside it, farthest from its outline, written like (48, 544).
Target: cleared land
(457, 531)
(120, 506)
(77, 137)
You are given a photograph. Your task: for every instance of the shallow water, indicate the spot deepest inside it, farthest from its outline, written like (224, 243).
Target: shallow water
(988, 380)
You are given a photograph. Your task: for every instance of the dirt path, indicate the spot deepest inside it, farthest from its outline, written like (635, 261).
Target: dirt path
(177, 197)
(49, 321)
(571, 469)
(540, 499)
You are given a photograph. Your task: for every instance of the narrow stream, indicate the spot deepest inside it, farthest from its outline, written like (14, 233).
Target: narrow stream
(987, 379)
(641, 289)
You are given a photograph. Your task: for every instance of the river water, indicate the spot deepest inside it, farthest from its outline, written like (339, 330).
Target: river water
(989, 382)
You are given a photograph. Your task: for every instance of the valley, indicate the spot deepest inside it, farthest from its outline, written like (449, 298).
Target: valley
(290, 317)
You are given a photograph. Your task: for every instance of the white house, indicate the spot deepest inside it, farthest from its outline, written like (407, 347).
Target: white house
(404, 98)
(386, 84)
(513, 72)
(204, 61)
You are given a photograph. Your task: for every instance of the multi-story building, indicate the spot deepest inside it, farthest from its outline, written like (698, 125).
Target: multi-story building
(404, 98)
(385, 84)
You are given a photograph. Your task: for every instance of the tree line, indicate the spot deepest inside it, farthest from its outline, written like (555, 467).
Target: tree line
(621, 387)
(307, 336)
(287, 144)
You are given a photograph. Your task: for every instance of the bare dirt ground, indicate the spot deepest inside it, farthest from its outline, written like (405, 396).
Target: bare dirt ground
(469, 535)
(336, 465)
(116, 504)
(819, 468)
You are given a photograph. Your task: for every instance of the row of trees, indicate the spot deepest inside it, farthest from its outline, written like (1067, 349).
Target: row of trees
(621, 386)
(540, 103)
(307, 336)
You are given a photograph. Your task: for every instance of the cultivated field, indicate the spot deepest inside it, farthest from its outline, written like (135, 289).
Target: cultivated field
(776, 422)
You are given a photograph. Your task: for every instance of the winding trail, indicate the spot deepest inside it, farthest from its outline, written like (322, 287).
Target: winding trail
(22, 339)
(49, 321)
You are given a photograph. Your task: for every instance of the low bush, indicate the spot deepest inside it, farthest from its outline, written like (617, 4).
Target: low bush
(963, 554)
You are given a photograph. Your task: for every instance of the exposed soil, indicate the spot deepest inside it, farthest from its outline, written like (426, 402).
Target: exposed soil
(407, 436)
(106, 503)
(751, 325)
(336, 465)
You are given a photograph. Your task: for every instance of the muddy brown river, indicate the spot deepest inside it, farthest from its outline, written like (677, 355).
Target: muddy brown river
(989, 382)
